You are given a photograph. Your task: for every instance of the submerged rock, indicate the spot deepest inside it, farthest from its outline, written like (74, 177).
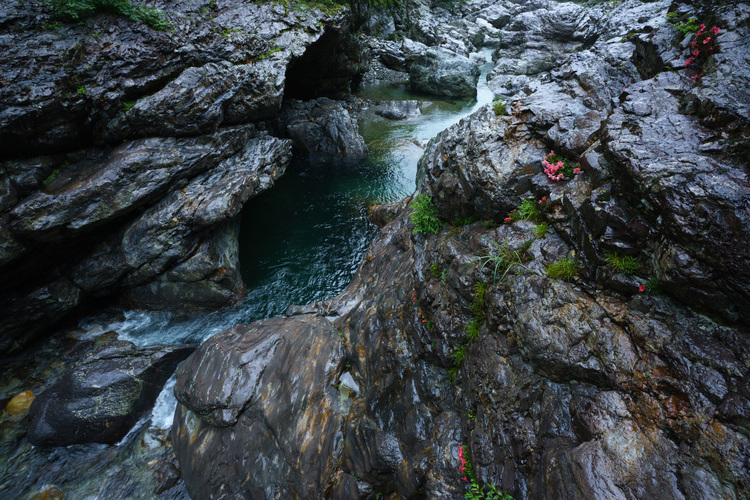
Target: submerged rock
(438, 71)
(100, 399)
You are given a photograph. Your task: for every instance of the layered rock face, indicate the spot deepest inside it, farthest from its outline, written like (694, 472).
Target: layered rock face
(127, 153)
(612, 381)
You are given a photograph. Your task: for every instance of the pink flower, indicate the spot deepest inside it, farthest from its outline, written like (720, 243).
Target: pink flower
(715, 30)
(693, 44)
(708, 39)
(696, 52)
(424, 321)
(462, 467)
(641, 288)
(576, 170)
(544, 198)
(694, 77)
(507, 220)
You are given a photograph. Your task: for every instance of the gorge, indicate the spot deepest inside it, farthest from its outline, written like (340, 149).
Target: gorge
(577, 338)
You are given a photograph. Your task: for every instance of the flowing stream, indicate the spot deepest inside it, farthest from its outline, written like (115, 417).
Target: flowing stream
(300, 241)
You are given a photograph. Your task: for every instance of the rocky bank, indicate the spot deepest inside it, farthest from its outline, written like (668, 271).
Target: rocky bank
(613, 381)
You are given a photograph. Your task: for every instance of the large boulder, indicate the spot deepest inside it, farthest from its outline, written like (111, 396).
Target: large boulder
(438, 71)
(100, 399)
(321, 126)
(258, 414)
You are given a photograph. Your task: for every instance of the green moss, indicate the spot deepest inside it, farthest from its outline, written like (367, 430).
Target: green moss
(55, 173)
(499, 106)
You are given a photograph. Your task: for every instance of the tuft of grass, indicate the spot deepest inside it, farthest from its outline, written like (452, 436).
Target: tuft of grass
(459, 355)
(621, 263)
(541, 230)
(435, 270)
(424, 215)
(126, 105)
(565, 268)
(502, 260)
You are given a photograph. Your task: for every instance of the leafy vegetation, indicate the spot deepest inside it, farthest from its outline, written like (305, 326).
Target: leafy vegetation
(126, 105)
(565, 268)
(686, 27)
(476, 492)
(499, 106)
(541, 229)
(502, 260)
(621, 263)
(465, 221)
(77, 10)
(424, 215)
(55, 173)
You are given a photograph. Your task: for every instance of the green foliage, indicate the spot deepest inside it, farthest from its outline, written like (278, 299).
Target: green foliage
(424, 215)
(473, 329)
(689, 26)
(486, 492)
(55, 173)
(502, 260)
(77, 10)
(443, 276)
(489, 224)
(499, 106)
(464, 221)
(541, 229)
(52, 26)
(529, 210)
(565, 268)
(126, 105)
(435, 270)
(620, 262)
(453, 373)
(459, 355)
(652, 287)
(81, 90)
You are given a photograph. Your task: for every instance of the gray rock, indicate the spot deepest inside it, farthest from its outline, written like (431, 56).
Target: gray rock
(275, 387)
(99, 400)
(438, 71)
(321, 126)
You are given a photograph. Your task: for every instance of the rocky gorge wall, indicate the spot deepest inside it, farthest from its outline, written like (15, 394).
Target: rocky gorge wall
(127, 152)
(470, 342)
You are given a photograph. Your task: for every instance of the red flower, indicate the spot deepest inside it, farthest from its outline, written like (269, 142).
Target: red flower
(641, 288)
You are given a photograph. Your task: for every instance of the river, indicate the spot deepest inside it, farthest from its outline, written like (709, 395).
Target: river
(300, 241)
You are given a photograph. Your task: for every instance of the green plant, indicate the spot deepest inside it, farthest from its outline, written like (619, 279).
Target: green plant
(487, 492)
(126, 105)
(81, 90)
(453, 373)
(499, 106)
(557, 168)
(435, 270)
(652, 287)
(77, 10)
(52, 26)
(55, 173)
(541, 229)
(528, 209)
(620, 262)
(502, 261)
(459, 355)
(263, 56)
(565, 268)
(424, 215)
(464, 221)
(444, 275)
(687, 27)
(489, 224)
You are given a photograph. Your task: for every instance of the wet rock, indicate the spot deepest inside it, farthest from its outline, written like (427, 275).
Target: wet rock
(18, 406)
(90, 194)
(462, 162)
(438, 71)
(190, 269)
(275, 387)
(399, 110)
(321, 126)
(104, 396)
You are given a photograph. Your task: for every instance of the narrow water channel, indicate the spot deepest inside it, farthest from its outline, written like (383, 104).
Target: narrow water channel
(300, 241)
